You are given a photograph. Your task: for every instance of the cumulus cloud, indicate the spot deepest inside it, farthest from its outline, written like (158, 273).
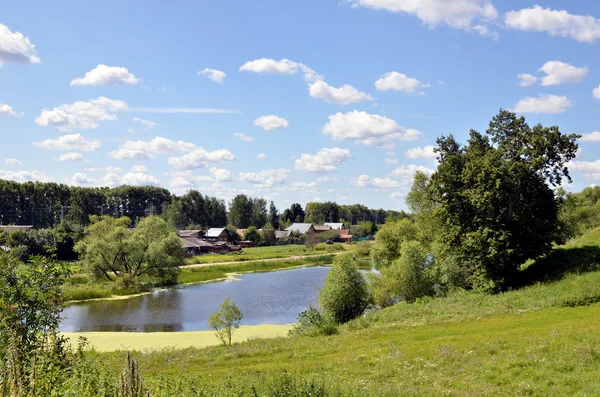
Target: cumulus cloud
(200, 158)
(458, 14)
(24, 176)
(284, 66)
(12, 161)
(397, 82)
(6, 110)
(377, 183)
(596, 92)
(589, 169)
(343, 95)
(106, 75)
(543, 104)
(271, 122)
(243, 137)
(326, 160)
(137, 176)
(425, 153)
(326, 179)
(527, 80)
(558, 72)
(582, 28)
(15, 48)
(213, 74)
(407, 172)
(81, 179)
(84, 115)
(261, 156)
(368, 129)
(591, 137)
(144, 150)
(72, 156)
(266, 178)
(70, 142)
(221, 174)
(146, 123)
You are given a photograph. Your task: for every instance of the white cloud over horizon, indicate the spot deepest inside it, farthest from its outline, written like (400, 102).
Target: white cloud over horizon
(16, 48)
(544, 103)
(326, 160)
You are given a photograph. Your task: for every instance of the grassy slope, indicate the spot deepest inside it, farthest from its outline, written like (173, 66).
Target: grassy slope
(539, 340)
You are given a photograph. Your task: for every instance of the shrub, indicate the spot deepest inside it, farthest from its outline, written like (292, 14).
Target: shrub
(389, 241)
(312, 323)
(363, 248)
(344, 295)
(226, 321)
(413, 271)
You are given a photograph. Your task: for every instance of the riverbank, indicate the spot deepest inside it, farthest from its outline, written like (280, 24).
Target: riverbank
(152, 341)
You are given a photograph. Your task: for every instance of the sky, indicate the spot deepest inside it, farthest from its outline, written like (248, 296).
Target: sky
(294, 101)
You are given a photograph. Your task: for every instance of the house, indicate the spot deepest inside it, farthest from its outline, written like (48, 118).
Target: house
(220, 247)
(301, 228)
(336, 226)
(190, 233)
(282, 234)
(14, 228)
(194, 246)
(247, 244)
(322, 229)
(345, 235)
(217, 234)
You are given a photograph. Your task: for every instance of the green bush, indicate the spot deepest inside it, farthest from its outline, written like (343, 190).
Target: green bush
(344, 295)
(312, 323)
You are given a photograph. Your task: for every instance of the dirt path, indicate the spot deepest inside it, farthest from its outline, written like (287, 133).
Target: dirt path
(294, 258)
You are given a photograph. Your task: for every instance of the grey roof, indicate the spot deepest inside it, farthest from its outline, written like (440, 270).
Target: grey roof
(191, 242)
(335, 226)
(188, 233)
(301, 228)
(322, 228)
(282, 233)
(214, 232)
(13, 228)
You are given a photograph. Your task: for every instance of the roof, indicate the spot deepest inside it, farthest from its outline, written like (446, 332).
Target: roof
(322, 228)
(240, 232)
(215, 232)
(282, 233)
(14, 228)
(344, 232)
(335, 226)
(192, 242)
(301, 228)
(188, 233)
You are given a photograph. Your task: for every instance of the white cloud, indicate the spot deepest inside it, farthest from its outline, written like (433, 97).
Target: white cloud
(285, 66)
(24, 176)
(200, 158)
(558, 72)
(543, 104)
(326, 179)
(459, 14)
(407, 172)
(72, 156)
(261, 156)
(266, 178)
(106, 75)
(146, 123)
(425, 153)
(139, 169)
(344, 95)
(527, 80)
(109, 170)
(213, 74)
(6, 110)
(368, 129)
(589, 169)
(221, 174)
(377, 183)
(582, 28)
(138, 179)
(591, 137)
(243, 137)
(596, 92)
(16, 48)
(397, 82)
(81, 114)
(144, 150)
(81, 179)
(271, 122)
(12, 161)
(325, 160)
(70, 142)
(485, 31)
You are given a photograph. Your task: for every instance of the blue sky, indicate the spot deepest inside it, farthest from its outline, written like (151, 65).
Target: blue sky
(298, 102)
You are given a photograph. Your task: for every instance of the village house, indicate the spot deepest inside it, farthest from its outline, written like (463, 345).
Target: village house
(322, 229)
(214, 235)
(301, 228)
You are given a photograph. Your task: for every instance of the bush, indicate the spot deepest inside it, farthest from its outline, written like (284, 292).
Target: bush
(363, 248)
(389, 241)
(328, 235)
(336, 247)
(344, 295)
(312, 323)
(226, 321)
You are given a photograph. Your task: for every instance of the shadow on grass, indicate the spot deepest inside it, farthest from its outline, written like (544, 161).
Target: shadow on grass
(559, 263)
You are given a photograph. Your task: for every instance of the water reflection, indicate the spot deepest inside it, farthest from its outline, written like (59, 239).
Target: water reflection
(264, 298)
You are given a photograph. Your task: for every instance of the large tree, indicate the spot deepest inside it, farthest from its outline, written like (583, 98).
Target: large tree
(495, 195)
(240, 211)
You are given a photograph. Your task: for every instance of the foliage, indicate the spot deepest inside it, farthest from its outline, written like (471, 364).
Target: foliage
(363, 248)
(247, 211)
(273, 216)
(131, 384)
(580, 212)
(364, 229)
(320, 213)
(494, 195)
(253, 235)
(233, 235)
(294, 214)
(332, 235)
(268, 235)
(312, 323)
(226, 321)
(344, 295)
(112, 251)
(194, 209)
(389, 240)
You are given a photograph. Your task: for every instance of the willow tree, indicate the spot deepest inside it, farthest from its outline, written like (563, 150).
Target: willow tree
(495, 195)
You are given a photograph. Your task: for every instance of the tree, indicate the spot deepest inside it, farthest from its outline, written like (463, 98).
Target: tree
(240, 211)
(226, 321)
(295, 214)
(495, 197)
(233, 234)
(273, 216)
(259, 212)
(268, 235)
(389, 241)
(344, 295)
(253, 235)
(112, 251)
